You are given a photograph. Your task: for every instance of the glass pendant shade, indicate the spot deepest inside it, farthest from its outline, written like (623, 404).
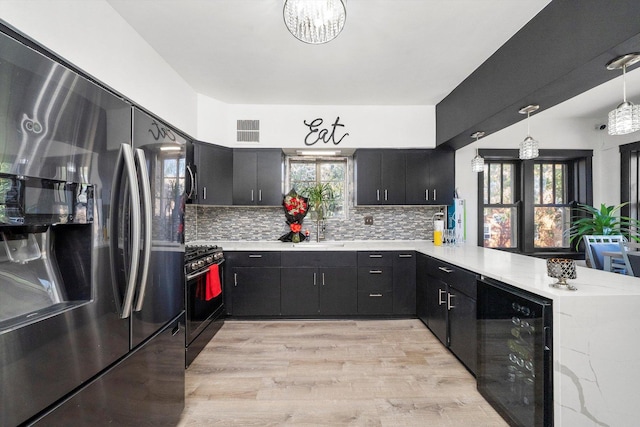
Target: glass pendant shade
(315, 21)
(529, 148)
(626, 117)
(477, 164)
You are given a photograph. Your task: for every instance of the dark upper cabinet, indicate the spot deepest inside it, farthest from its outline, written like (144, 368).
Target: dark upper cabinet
(405, 177)
(380, 177)
(257, 177)
(214, 174)
(430, 177)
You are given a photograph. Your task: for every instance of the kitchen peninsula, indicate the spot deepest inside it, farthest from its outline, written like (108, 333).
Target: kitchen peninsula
(595, 349)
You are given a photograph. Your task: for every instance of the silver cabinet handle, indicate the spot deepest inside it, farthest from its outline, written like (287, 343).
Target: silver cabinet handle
(314, 279)
(386, 194)
(405, 256)
(252, 195)
(235, 279)
(322, 279)
(445, 269)
(255, 256)
(204, 193)
(449, 305)
(378, 195)
(375, 295)
(434, 194)
(426, 194)
(375, 255)
(259, 195)
(440, 292)
(193, 182)
(147, 218)
(375, 271)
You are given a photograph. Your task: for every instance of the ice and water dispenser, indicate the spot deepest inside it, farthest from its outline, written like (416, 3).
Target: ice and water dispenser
(45, 252)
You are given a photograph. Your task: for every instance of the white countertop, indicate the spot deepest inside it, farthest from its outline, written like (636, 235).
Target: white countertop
(521, 271)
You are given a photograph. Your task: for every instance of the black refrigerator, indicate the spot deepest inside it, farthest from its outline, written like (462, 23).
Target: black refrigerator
(91, 250)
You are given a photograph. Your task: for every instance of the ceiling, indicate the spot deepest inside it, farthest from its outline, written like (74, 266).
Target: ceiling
(391, 52)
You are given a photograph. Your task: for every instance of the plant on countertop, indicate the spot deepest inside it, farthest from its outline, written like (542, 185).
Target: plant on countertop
(604, 221)
(320, 197)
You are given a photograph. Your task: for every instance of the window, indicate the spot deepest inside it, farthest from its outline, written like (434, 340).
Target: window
(500, 213)
(526, 206)
(306, 172)
(552, 212)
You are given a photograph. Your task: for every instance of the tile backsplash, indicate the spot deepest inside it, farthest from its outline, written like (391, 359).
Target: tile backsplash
(224, 223)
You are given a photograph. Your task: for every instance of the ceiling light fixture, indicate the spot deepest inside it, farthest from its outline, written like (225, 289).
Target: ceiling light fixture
(318, 152)
(477, 163)
(626, 117)
(529, 148)
(315, 21)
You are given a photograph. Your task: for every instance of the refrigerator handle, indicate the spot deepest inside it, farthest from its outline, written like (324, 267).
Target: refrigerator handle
(125, 163)
(141, 161)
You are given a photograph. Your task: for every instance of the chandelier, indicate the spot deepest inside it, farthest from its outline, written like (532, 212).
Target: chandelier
(626, 117)
(529, 147)
(477, 163)
(315, 21)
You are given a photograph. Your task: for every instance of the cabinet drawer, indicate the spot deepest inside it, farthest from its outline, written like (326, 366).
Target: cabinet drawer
(375, 258)
(375, 302)
(319, 259)
(456, 277)
(375, 279)
(253, 259)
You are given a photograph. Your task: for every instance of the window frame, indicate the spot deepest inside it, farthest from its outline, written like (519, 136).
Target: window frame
(319, 160)
(579, 182)
(630, 153)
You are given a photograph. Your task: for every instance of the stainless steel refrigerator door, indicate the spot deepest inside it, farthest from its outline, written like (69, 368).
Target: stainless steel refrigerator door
(164, 152)
(56, 124)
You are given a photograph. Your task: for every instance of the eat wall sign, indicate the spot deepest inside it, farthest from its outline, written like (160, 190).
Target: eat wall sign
(333, 133)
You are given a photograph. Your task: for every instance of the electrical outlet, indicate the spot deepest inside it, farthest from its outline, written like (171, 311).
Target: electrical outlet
(368, 220)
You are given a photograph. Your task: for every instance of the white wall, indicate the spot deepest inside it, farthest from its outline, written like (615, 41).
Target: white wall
(552, 134)
(283, 125)
(93, 37)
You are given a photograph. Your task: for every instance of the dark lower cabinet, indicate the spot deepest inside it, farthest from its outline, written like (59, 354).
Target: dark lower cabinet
(404, 283)
(256, 291)
(299, 295)
(446, 303)
(338, 290)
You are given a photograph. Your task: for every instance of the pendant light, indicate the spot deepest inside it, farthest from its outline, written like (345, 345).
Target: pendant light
(626, 117)
(315, 21)
(529, 147)
(477, 163)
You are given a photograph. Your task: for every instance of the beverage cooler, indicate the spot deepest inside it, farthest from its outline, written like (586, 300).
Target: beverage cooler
(515, 372)
(91, 251)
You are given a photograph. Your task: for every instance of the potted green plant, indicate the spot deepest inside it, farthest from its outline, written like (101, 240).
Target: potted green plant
(604, 221)
(320, 198)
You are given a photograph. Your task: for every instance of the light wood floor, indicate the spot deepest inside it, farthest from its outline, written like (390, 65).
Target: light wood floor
(332, 373)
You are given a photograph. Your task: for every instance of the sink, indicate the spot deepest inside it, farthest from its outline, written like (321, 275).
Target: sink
(318, 245)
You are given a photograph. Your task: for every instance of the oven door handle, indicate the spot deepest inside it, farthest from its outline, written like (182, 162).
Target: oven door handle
(200, 273)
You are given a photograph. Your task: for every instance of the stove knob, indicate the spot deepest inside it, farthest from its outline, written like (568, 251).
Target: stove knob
(194, 266)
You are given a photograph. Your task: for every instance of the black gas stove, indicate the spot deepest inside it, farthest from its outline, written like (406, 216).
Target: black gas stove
(199, 256)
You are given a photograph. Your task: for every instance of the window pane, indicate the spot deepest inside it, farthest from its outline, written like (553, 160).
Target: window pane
(560, 184)
(537, 170)
(500, 227)
(485, 191)
(171, 167)
(507, 184)
(332, 172)
(547, 184)
(303, 171)
(495, 183)
(550, 226)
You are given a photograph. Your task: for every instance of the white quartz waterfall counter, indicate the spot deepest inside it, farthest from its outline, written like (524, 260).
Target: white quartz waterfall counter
(596, 329)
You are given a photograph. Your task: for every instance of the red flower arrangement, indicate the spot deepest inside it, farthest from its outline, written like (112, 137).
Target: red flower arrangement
(295, 209)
